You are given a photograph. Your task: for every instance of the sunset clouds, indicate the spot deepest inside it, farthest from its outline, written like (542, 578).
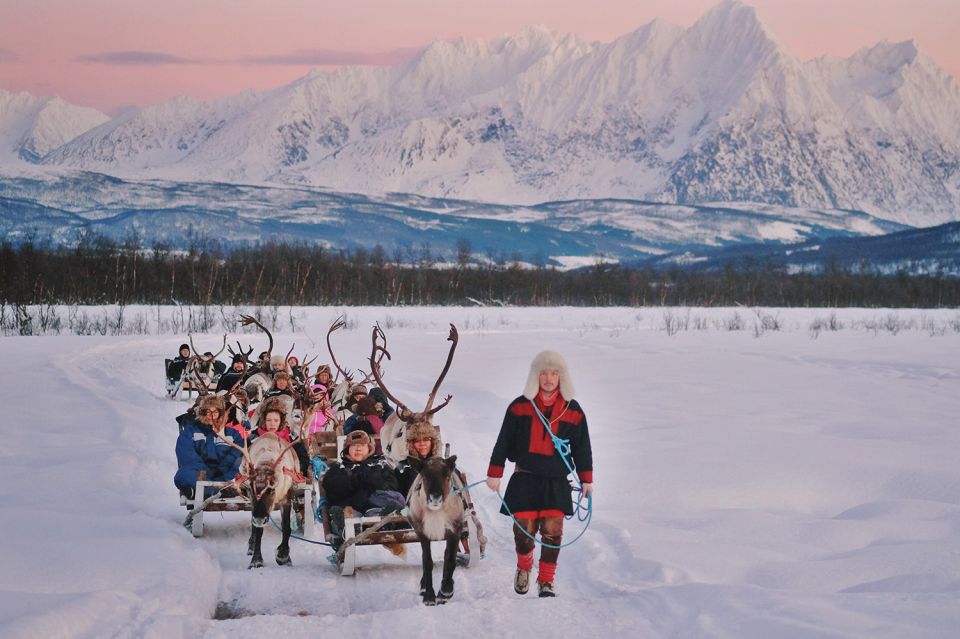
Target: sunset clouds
(112, 53)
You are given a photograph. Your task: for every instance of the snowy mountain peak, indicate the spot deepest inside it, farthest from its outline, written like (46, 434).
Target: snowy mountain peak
(735, 22)
(717, 112)
(31, 127)
(890, 56)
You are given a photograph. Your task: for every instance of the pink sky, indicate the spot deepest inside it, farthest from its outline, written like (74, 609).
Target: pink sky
(113, 53)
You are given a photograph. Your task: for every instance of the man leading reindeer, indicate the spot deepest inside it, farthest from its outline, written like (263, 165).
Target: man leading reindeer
(538, 494)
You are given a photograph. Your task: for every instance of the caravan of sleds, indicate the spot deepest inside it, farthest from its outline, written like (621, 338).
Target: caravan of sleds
(277, 474)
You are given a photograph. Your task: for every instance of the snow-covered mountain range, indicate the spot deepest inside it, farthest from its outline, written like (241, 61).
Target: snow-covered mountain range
(62, 208)
(717, 112)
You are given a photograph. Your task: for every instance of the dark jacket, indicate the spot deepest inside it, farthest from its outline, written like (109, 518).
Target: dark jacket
(539, 481)
(406, 475)
(351, 483)
(380, 398)
(228, 380)
(199, 448)
(176, 367)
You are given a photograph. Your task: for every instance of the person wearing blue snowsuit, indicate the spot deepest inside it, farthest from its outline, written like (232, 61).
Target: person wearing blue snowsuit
(199, 448)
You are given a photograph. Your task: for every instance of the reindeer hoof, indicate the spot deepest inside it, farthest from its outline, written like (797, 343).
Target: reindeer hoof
(442, 596)
(255, 563)
(284, 560)
(429, 602)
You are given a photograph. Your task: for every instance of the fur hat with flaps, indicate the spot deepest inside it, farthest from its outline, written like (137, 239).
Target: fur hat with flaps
(548, 360)
(277, 363)
(421, 430)
(210, 402)
(358, 437)
(275, 405)
(358, 389)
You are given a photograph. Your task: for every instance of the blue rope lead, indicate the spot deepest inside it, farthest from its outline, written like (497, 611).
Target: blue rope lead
(309, 541)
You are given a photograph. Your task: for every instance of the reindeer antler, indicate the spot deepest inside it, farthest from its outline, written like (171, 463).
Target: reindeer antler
(241, 352)
(247, 320)
(338, 323)
(217, 354)
(307, 409)
(382, 351)
(454, 337)
(198, 378)
(405, 413)
(243, 451)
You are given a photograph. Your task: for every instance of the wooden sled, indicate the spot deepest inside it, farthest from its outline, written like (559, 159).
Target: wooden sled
(362, 530)
(183, 384)
(304, 505)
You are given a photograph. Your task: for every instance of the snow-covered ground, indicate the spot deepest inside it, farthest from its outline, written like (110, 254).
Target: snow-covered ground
(772, 486)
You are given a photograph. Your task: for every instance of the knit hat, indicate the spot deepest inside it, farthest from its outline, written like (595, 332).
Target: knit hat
(183, 346)
(239, 358)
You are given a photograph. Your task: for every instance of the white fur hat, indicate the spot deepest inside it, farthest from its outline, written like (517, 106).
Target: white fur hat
(548, 360)
(277, 363)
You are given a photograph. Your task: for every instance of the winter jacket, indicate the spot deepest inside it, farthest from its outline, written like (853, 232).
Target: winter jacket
(380, 398)
(176, 367)
(199, 449)
(539, 481)
(370, 424)
(228, 380)
(407, 474)
(350, 483)
(283, 433)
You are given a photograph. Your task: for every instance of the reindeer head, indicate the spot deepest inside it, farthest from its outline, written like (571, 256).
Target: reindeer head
(435, 478)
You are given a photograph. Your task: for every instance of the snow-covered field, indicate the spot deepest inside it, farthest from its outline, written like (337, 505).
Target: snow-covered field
(768, 487)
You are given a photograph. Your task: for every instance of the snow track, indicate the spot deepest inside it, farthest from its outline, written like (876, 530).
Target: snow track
(772, 487)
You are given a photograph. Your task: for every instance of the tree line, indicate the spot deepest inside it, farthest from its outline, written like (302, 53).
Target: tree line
(99, 270)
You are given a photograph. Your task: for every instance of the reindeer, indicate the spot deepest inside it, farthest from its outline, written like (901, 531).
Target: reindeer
(435, 511)
(272, 469)
(435, 514)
